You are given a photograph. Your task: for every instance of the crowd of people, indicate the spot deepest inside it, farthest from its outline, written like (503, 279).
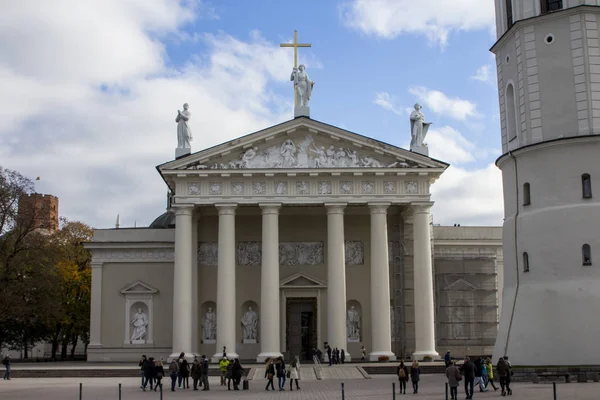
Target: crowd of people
(275, 367)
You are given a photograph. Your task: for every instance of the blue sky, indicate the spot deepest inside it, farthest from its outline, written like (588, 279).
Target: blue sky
(92, 88)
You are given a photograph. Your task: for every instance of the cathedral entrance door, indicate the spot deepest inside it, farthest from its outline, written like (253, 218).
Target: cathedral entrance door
(301, 330)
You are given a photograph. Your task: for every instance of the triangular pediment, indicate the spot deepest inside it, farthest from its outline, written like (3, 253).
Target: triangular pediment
(139, 287)
(303, 143)
(460, 284)
(300, 280)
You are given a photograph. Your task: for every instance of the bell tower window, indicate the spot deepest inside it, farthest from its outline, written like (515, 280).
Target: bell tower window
(586, 186)
(587, 254)
(551, 5)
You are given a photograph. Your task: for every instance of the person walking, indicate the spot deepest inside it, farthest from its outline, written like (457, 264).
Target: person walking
(6, 363)
(184, 370)
(468, 369)
(173, 373)
(204, 365)
(269, 374)
(148, 374)
(159, 373)
(402, 373)
(294, 373)
(236, 372)
(490, 373)
(223, 368)
(453, 376)
(141, 365)
(280, 368)
(503, 373)
(415, 373)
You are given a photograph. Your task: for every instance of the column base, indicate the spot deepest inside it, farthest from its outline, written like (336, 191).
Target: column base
(230, 356)
(262, 357)
(188, 356)
(420, 355)
(374, 356)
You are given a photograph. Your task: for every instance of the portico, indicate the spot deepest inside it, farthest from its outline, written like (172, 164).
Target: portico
(240, 201)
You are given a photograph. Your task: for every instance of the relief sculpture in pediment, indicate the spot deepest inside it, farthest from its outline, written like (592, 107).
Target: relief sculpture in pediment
(303, 154)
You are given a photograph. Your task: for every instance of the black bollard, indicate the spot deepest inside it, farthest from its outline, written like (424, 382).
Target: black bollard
(80, 391)
(554, 389)
(161, 391)
(343, 396)
(393, 390)
(446, 390)
(119, 391)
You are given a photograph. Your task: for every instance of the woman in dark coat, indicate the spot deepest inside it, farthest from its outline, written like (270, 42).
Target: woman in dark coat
(159, 374)
(402, 373)
(415, 373)
(196, 373)
(269, 374)
(236, 372)
(184, 370)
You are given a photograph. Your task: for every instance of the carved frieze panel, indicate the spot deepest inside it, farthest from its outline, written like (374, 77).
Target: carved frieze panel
(281, 188)
(411, 187)
(301, 253)
(325, 187)
(303, 187)
(194, 188)
(208, 254)
(368, 187)
(389, 187)
(237, 188)
(249, 253)
(259, 188)
(346, 187)
(215, 189)
(355, 252)
(134, 255)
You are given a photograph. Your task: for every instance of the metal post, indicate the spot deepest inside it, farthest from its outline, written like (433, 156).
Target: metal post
(161, 390)
(554, 389)
(343, 391)
(393, 390)
(80, 391)
(446, 390)
(119, 391)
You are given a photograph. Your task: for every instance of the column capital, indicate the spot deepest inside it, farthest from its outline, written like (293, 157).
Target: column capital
(421, 207)
(335, 208)
(96, 264)
(186, 210)
(226, 209)
(379, 208)
(270, 208)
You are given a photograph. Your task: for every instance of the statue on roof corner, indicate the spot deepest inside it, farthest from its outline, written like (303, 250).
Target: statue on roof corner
(418, 130)
(184, 133)
(303, 85)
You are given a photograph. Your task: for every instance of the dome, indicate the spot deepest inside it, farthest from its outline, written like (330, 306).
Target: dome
(164, 221)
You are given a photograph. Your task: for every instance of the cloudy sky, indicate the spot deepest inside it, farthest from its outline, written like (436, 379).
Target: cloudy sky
(90, 90)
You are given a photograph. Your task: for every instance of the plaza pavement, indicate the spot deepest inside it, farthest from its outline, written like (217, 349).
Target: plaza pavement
(377, 388)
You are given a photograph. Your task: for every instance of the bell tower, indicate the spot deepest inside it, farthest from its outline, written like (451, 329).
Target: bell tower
(548, 64)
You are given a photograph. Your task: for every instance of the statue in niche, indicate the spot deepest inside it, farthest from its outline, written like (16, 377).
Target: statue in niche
(353, 324)
(418, 127)
(139, 322)
(184, 133)
(250, 324)
(288, 151)
(209, 326)
(303, 85)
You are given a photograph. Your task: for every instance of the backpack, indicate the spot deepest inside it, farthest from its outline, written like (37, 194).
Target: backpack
(402, 373)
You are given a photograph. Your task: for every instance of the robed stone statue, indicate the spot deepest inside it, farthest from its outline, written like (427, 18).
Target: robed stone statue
(184, 133)
(250, 324)
(209, 326)
(418, 127)
(139, 322)
(303, 85)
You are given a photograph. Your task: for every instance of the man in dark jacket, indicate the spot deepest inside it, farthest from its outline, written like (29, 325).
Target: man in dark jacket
(329, 355)
(204, 370)
(468, 369)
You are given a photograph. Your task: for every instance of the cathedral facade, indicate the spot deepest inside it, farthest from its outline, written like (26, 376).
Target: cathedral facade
(290, 238)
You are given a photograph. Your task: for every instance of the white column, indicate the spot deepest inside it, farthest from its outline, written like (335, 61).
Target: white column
(226, 309)
(381, 331)
(336, 278)
(195, 332)
(96, 306)
(269, 289)
(182, 283)
(423, 283)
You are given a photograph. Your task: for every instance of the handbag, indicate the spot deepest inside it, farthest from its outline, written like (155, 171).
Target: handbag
(269, 376)
(288, 374)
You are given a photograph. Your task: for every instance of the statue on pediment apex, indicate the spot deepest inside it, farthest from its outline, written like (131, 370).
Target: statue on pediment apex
(418, 127)
(184, 132)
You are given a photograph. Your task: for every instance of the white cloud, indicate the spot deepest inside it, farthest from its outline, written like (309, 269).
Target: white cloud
(388, 102)
(435, 19)
(88, 99)
(484, 74)
(440, 103)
